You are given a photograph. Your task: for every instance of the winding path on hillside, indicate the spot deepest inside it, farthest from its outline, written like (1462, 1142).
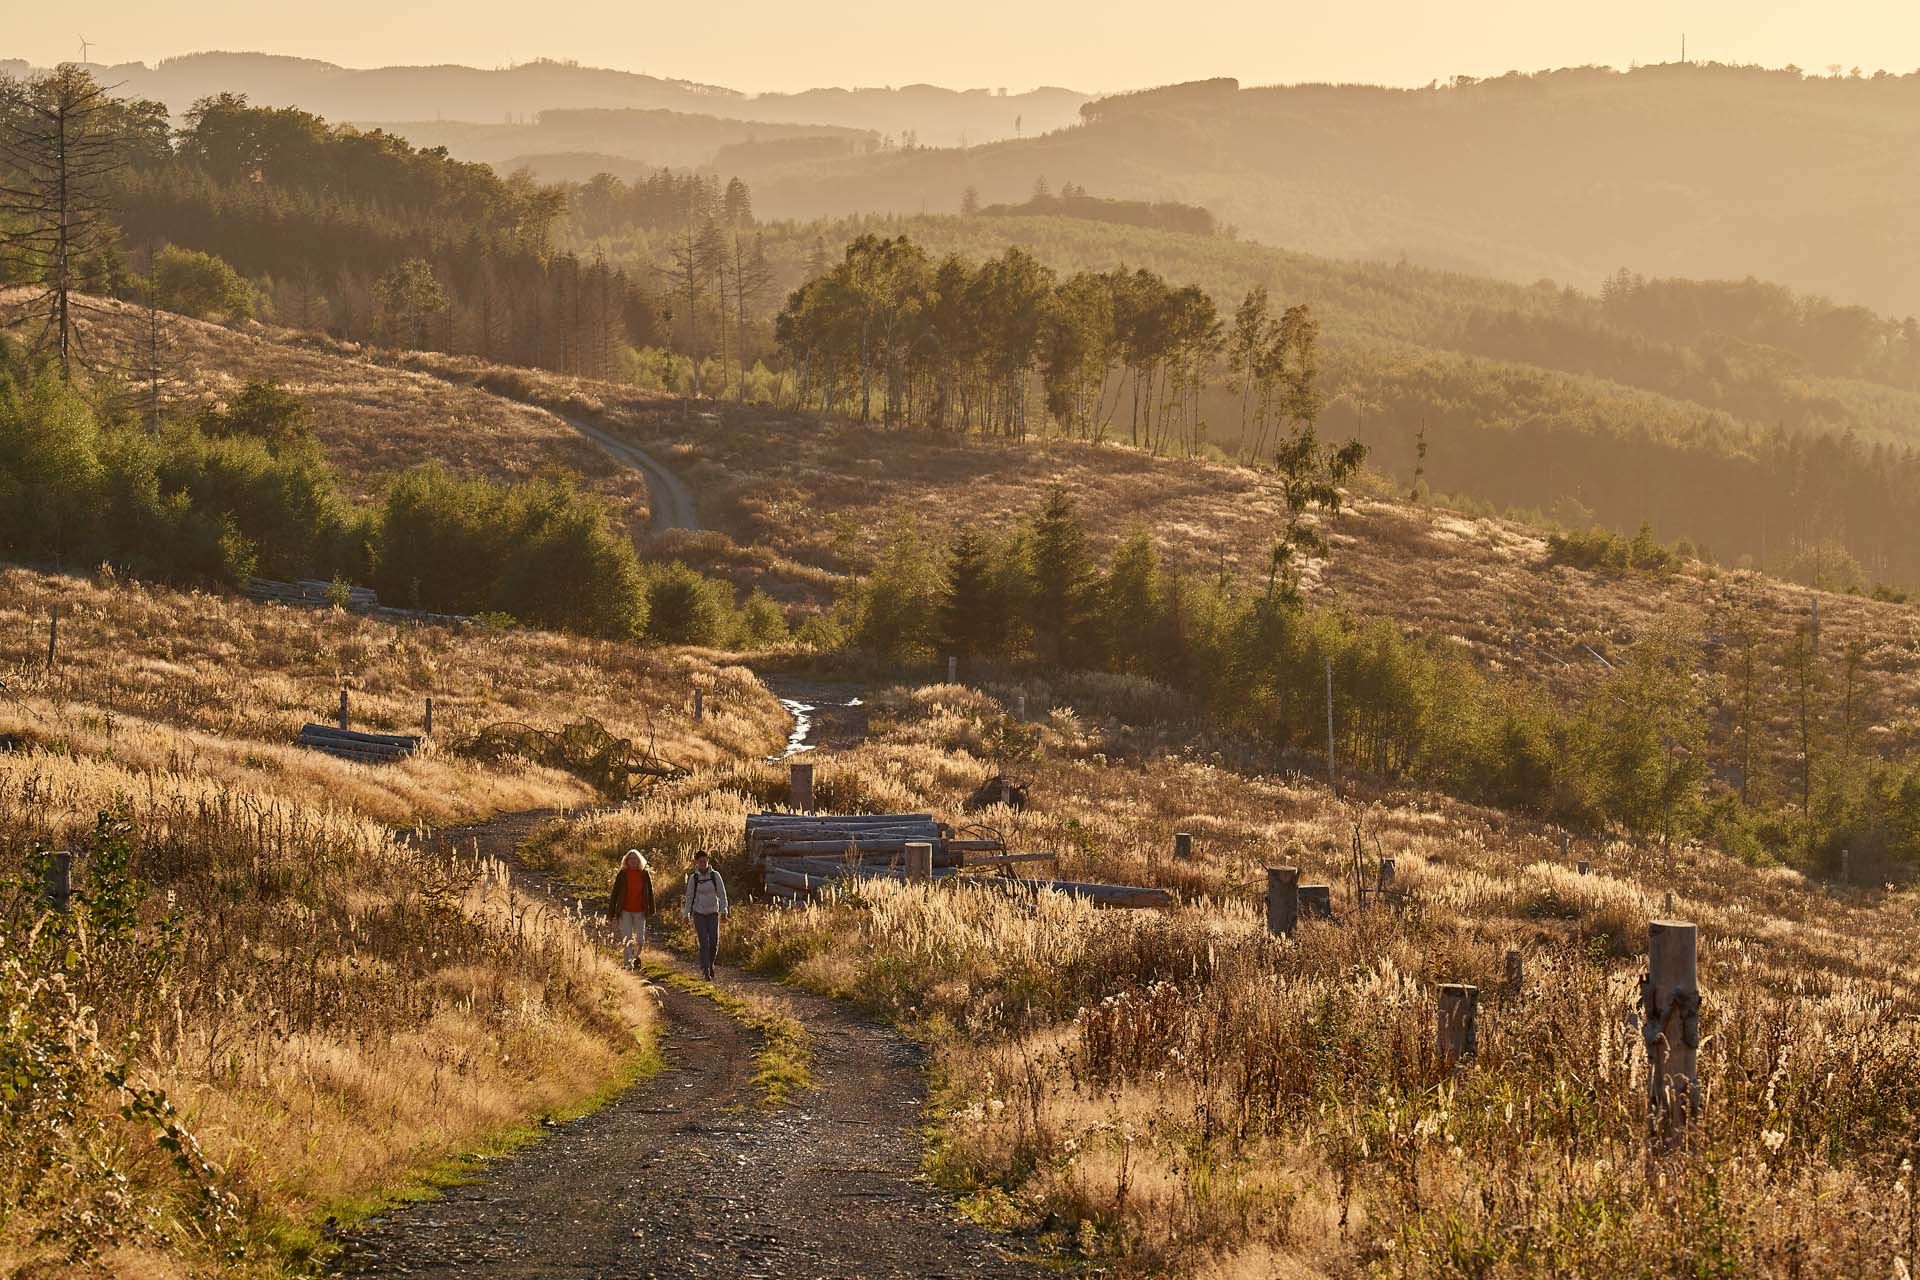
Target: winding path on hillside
(688, 1174)
(669, 500)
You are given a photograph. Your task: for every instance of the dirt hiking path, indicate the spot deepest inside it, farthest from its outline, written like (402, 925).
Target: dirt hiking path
(687, 1174)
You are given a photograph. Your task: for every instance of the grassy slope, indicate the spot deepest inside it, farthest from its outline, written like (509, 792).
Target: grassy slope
(817, 499)
(428, 996)
(373, 420)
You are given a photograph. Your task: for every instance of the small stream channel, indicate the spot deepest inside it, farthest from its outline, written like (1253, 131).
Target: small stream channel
(825, 714)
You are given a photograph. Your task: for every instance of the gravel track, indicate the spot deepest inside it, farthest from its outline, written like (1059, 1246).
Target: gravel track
(688, 1174)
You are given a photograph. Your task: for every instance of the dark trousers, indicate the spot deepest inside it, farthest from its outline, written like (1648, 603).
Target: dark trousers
(706, 925)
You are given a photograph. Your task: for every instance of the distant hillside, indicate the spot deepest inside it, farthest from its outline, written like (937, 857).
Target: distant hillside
(946, 117)
(1692, 170)
(559, 140)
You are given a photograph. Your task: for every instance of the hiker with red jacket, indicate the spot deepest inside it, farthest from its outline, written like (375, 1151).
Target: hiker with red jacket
(630, 904)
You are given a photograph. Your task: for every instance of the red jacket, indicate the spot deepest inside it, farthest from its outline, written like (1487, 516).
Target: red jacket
(617, 900)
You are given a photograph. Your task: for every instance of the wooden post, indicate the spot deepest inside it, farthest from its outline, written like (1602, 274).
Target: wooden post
(1020, 705)
(1457, 1034)
(919, 862)
(57, 879)
(1182, 847)
(426, 724)
(953, 669)
(699, 704)
(1316, 901)
(1583, 867)
(800, 787)
(1386, 874)
(1330, 779)
(1283, 900)
(1670, 1024)
(1516, 971)
(343, 708)
(53, 635)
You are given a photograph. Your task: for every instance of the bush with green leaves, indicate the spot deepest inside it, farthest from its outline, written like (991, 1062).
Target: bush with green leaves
(199, 285)
(244, 489)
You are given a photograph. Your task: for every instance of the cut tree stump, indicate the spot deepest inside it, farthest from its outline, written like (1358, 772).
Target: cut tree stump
(1670, 1025)
(1283, 901)
(1456, 1030)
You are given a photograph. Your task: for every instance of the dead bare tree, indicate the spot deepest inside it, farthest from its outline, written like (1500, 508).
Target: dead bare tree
(58, 148)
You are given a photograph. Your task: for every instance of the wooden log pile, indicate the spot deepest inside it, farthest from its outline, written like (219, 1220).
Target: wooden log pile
(800, 854)
(308, 593)
(348, 744)
(311, 593)
(853, 837)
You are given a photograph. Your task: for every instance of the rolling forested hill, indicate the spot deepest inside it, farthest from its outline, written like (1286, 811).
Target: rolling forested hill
(1694, 170)
(937, 116)
(1757, 422)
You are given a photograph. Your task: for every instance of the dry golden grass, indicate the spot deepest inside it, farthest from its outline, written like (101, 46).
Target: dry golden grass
(339, 1009)
(373, 419)
(1177, 1093)
(165, 679)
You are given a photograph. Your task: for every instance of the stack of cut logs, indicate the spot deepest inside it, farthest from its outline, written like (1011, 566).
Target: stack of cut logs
(311, 593)
(802, 853)
(367, 748)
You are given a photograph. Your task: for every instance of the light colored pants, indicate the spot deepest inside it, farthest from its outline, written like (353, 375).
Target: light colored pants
(631, 928)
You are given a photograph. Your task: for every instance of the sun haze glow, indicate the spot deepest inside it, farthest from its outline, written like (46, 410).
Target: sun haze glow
(775, 44)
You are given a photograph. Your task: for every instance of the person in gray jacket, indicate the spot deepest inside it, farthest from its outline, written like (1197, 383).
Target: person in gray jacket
(706, 902)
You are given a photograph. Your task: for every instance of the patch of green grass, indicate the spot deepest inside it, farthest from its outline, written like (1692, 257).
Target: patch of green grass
(783, 1067)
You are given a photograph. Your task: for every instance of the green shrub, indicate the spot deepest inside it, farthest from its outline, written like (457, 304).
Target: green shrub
(200, 285)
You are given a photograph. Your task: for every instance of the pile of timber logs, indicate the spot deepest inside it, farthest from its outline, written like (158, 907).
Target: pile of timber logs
(367, 748)
(801, 853)
(854, 837)
(311, 593)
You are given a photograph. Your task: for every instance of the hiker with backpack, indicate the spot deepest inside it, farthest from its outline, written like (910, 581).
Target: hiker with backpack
(706, 902)
(629, 905)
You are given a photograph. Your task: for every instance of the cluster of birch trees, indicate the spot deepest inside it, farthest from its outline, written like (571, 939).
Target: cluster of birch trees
(889, 334)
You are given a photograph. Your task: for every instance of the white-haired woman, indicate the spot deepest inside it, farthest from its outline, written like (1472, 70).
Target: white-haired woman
(629, 905)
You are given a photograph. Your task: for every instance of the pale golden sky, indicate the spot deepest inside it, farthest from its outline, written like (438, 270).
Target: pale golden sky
(1115, 44)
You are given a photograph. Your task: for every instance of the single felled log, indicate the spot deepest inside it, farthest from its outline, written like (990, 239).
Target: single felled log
(1001, 859)
(778, 820)
(1106, 895)
(406, 740)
